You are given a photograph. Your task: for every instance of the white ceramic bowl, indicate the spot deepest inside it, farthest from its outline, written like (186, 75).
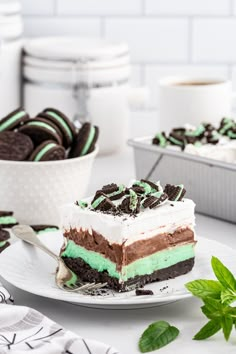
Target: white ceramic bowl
(36, 190)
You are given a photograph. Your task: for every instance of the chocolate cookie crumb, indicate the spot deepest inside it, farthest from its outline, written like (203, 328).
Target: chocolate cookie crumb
(139, 292)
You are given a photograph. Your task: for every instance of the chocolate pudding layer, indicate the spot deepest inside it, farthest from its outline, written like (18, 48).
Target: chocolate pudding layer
(124, 255)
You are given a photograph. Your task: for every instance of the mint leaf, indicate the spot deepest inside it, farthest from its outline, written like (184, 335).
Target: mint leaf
(223, 274)
(215, 306)
(211, 328)
(227, 325)
(156, 336)
(228, 296)
(205, 288)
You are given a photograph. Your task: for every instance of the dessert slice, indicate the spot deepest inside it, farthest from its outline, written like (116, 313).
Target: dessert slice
(129, 237)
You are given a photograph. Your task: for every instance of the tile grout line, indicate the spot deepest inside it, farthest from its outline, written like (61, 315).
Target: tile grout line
(102, 26)
(190, 39)
(231, 7)
(143, 7)
(55, 7)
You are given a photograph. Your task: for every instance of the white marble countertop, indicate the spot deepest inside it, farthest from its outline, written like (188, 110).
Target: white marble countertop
(122, 328)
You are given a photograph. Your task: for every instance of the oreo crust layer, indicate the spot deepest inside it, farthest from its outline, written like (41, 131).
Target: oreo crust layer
(87, 274)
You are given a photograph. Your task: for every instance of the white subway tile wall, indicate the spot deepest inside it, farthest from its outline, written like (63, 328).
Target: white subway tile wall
(166, 37)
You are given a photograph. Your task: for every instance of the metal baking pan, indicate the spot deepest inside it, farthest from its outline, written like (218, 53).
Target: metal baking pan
(210, 183)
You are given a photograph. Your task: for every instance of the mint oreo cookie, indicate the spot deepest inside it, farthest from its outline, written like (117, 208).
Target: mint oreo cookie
(13, 120)
(40, 129)
(67, 128)
(49, 150)
(4, 237)
(15, 146)
(7, 220)
(85, 141)
(41, 229)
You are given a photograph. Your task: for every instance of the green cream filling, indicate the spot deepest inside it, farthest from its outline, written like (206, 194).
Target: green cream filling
(175, 141)
(3, 243)
(5, 220)
(162, 139)
(89, 141)
(11, 120)
(44, 151)
(48, 229)
(62, 122)
(196, 132)
(44, 125)
(142, 266)
(180, 192)
(97, 201)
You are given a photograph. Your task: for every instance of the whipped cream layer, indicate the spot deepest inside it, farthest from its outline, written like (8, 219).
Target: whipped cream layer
(224, 150)
(126, 229)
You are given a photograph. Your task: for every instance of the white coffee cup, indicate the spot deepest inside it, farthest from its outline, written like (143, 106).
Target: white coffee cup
(193, 100)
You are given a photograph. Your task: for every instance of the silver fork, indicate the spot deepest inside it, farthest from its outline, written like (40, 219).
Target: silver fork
(65, 278)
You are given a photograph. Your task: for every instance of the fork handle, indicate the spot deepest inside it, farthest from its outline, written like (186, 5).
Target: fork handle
(27, 234)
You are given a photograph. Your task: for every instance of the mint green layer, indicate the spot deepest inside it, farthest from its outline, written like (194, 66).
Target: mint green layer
(89, 141)
(11, 120)
(44, 125)
(142, 266)
(62, 122)
(48, 229)
(3, 243)
(4, 220)
(44, 151)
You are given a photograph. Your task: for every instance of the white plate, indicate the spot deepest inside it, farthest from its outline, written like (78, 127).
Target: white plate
(32, 270)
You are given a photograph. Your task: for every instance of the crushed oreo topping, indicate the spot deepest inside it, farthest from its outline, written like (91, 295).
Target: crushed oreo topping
(175, 193)
(139, 292)
(101, 202)
(118, 200)
(160, 139)
(110, 188)
(81, 204)
(204, 133)
(177, 139)
(153, 201)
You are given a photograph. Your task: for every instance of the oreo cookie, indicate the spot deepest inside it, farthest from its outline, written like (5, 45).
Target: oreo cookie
(139, 292)
(48, 151)
(40, 229)
(4, 237)
(110, 188)
(226, 125)
(40, 129)
(7, 220)
(160, 139)
(102, 202)
(155, 187)
(85, 141)
(15, 146)
(175, 193)
(232, 133)
(118, 193)
(177, 139)
(198, 132)
(153, 201)
(212, 137)
(14, 120)
(179, 131)
(67, 128)
(131, 204)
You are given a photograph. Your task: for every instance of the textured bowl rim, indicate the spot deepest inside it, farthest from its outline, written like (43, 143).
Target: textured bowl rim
(50, 163)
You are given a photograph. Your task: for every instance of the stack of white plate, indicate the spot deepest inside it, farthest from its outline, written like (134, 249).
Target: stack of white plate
(11, 29)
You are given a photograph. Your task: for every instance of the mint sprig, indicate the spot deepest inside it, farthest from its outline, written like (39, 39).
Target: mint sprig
(156, 336)
(217, 295)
